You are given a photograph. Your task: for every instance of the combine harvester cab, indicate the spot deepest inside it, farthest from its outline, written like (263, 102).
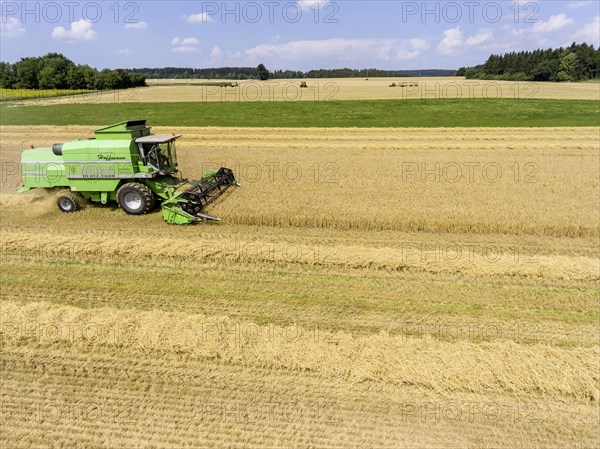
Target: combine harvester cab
(128, 164)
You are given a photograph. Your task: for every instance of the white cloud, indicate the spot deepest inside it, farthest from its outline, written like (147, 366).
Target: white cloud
(453, 40)
(80, 31)
(141, 25)
(577, 5)
(11, 27)
(219, 57)
(216, 54)
(185, 41)
(340, 49)
(329, 52)
(513, 31)
(590, 33)
(406, 54)
(185, 45)
(554, 23)
(184, 49)
(419, 44)
(384, 53)
(314, 4)
(412, 49)
(479, 38)
(544, 43)
(125, 52)
(198, 18)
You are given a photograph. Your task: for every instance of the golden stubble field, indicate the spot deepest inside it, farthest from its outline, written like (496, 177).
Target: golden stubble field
(367, 288)
(321, 89)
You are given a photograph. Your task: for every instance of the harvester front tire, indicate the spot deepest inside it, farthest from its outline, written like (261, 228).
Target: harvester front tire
(68, 202)
(135, 198)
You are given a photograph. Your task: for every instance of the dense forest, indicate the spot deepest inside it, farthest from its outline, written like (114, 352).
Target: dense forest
(575, 63)
(242, 73)
(55, 71)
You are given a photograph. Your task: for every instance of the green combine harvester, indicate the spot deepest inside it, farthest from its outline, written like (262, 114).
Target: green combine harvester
(125, 163)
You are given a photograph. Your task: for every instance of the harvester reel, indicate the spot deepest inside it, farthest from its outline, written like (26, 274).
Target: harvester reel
(135, 198)
(68, 202)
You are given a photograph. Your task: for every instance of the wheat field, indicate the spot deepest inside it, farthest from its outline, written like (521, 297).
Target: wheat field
(472, 181)
(375, 288)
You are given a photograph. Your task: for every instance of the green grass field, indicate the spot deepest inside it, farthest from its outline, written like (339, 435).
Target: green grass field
(346, 114)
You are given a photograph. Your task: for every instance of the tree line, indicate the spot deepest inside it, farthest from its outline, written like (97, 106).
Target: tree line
(243, 73)
(574, 63)
(55, 71)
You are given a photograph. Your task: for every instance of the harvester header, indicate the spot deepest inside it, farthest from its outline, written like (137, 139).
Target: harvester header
(128, 164)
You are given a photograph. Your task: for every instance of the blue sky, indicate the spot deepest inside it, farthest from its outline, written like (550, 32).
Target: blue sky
(299, 35)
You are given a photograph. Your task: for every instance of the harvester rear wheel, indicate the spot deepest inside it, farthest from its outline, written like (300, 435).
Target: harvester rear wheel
(135, 198)
(68, 202)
